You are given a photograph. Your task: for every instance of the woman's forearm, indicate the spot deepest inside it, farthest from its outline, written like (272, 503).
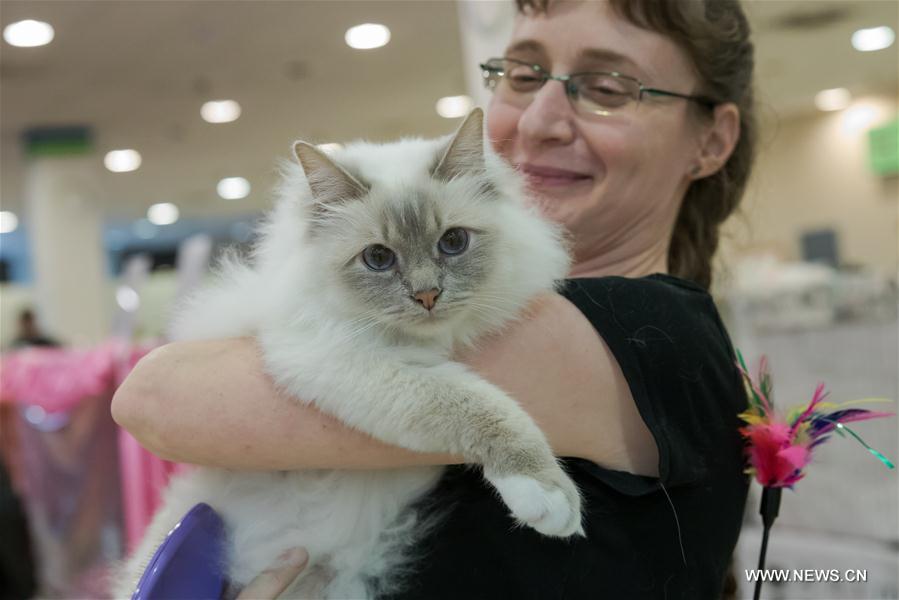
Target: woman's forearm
(211, 403)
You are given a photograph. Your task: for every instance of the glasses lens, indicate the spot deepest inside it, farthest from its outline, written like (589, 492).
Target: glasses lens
(604, 92)
(492, 72)
(510, 76)
(522, 78)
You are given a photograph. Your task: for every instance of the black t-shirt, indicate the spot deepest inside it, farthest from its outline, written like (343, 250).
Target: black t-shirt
(667, 537)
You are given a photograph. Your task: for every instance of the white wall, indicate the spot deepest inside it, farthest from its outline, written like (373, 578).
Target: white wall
(812, 172)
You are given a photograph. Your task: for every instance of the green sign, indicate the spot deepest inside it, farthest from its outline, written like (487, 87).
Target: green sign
(883, 148)
(56, 141)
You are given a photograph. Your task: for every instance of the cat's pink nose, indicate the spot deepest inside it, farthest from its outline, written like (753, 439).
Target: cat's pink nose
(427, 299)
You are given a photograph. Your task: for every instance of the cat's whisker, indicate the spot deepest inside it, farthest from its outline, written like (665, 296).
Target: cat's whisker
(356, 332)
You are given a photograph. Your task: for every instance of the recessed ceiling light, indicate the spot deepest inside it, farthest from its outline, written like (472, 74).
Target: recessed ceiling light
(8, 221)
(329, 148)
(164, 213)
(220, 111)
(367, 36)
(451, 107)
(233, 188)
(860, 117)
(833, 99)
(28, 33)
(122, 161)
(873, 38)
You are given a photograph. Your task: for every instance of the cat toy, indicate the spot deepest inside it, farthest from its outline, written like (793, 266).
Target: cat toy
(779, 449)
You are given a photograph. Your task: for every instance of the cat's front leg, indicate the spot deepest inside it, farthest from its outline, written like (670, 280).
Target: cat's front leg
(517, 458)
(444, 407)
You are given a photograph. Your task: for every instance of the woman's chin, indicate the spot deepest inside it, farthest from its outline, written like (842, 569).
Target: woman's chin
(562, 206)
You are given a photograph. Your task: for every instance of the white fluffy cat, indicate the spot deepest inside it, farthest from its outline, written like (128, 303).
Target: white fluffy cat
(377, 263)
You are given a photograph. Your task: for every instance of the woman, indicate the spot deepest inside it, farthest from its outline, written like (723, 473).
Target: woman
(629, 371)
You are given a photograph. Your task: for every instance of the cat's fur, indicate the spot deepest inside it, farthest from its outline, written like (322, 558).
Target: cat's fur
(354, 343)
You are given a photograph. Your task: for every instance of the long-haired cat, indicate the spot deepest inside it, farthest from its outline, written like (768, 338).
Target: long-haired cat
(377, 263)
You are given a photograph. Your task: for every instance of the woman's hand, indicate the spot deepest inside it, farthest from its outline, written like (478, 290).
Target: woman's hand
(273, 581)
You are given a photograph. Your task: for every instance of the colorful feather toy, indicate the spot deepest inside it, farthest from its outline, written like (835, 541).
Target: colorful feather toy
(779, 449)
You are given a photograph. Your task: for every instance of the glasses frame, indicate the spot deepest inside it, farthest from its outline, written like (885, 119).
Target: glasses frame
(572, 89)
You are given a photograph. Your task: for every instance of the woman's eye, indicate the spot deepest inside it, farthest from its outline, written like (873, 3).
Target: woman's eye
(453, 242)
(607, 86)
(378, 258)
(608, 90)
(523, 78)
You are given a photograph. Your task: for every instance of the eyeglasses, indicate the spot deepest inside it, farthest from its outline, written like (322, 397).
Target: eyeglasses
(598, 93)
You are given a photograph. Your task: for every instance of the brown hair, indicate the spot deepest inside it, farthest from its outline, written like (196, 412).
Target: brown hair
(715, 36)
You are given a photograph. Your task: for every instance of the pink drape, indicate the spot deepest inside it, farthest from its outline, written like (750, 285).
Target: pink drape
(63, 396)
(144, 477)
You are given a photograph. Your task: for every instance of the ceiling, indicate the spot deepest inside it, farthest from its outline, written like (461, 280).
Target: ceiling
(137, 73)
(803, 46)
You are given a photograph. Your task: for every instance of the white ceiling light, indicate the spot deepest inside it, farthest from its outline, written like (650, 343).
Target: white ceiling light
(8, 221)
(833, 99)
(451, 107)
(233, 188)
(367, 36)
(874, 38)
(164, 213)
(122, 161)
(220, 111)
(28, 33)
(859, 118)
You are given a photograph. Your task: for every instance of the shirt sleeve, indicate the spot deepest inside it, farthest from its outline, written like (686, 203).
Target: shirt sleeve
(678, 361)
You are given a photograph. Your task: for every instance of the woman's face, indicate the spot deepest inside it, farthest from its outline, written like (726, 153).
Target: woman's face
(614, 181)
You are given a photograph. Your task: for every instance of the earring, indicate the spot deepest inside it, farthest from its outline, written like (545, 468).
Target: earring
(695, 170)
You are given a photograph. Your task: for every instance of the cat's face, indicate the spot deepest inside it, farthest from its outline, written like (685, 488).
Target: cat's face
(415, 259)
(430, 237)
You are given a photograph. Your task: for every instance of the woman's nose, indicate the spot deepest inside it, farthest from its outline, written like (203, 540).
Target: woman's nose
(549, 118)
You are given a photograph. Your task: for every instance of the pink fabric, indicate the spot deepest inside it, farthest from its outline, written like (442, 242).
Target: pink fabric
(60, 379)
(69, 478)
(56, 379)
(144, 477)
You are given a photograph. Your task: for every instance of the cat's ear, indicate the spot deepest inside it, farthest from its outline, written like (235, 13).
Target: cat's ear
(465, 152)
(328, 181)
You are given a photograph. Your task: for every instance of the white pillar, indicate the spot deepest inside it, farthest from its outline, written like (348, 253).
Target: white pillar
(485, 27)
(65, 233)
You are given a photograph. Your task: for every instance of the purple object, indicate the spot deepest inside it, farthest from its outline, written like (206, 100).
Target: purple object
(188, 563)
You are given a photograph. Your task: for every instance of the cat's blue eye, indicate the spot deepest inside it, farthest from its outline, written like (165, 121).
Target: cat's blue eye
(453, 242)
(378, 258)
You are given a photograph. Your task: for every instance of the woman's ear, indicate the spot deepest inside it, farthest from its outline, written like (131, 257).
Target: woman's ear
(717, 140)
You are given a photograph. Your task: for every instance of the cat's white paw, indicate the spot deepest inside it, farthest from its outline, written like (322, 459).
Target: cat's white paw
(550, 504)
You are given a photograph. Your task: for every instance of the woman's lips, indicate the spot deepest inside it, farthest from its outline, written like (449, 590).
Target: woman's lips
(545, 177)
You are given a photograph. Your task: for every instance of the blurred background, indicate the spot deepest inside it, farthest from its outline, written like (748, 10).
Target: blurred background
(138, 138)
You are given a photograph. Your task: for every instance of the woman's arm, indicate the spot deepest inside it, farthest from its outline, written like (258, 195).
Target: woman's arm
(211, 403)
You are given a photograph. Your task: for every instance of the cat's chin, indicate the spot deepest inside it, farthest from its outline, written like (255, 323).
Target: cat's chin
(428, 325)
